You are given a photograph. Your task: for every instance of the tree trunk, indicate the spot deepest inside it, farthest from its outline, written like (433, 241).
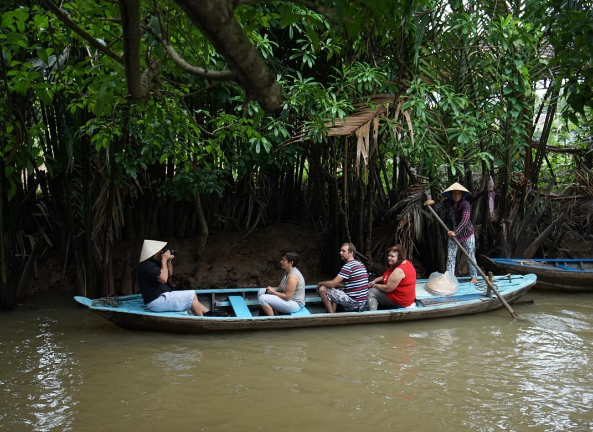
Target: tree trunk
(125, 284)
(203, 226)
(532, 249)
(216, 20)
(541, 150)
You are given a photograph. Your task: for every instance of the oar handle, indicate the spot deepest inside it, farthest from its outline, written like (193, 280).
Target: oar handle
(490, 284)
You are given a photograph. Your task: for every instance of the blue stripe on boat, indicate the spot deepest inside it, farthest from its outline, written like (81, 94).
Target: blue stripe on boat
(240, 307)
(552, 260)
(545, 264)
(564, 267)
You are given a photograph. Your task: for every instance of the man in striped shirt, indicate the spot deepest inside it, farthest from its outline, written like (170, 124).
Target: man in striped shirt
(349, 288)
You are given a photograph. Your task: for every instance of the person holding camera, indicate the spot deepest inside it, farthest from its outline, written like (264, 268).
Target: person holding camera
(154, 270)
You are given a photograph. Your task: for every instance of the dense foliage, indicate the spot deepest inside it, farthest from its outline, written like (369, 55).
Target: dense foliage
(136, 119)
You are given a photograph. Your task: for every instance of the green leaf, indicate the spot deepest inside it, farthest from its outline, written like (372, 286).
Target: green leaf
(43, 96)
(7, 20)
(313, 37)
(42, 54)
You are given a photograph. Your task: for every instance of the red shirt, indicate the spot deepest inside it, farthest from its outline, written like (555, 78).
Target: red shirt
(405, 293)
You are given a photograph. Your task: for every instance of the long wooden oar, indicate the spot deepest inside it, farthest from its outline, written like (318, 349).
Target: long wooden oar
(490, 284)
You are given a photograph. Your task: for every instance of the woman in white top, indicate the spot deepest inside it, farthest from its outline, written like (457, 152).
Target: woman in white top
(289, 296)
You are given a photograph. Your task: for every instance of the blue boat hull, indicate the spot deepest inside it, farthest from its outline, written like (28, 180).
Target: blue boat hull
(566, 275)
(469, 299)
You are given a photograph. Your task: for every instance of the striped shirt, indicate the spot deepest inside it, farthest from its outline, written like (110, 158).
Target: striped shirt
(356, 280)
(460, 217)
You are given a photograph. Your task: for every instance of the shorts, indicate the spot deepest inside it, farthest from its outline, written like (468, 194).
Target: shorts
(172, 301)
(340, 297)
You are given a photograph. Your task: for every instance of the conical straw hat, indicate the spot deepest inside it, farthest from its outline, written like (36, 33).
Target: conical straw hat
(149, 248)
(456, 187)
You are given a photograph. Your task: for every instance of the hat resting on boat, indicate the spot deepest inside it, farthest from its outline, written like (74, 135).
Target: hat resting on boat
(456, 187)
(149, 248)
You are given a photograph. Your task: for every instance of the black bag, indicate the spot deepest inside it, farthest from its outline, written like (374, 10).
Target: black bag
(215, 312)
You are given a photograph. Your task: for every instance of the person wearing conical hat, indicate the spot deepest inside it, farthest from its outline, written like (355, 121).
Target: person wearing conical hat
(154, 269)
(458, 212)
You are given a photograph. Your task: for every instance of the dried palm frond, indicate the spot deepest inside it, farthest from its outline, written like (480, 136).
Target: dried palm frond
(580, 213)
(362, 145)
(373, 106)
(584, 179)
(364, 121)
(407, 220)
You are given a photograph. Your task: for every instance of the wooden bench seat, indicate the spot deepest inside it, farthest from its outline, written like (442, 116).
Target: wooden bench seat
(240, 307)
(254, 302)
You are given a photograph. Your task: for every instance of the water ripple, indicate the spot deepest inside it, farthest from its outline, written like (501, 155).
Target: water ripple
(68, 369)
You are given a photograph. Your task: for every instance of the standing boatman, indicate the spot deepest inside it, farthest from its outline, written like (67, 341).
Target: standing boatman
(458, 211)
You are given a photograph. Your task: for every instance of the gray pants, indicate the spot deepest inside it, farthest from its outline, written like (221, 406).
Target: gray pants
(377, 297)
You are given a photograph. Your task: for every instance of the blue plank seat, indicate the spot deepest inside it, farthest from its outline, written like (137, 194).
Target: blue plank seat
(240, 307)
(302, 311)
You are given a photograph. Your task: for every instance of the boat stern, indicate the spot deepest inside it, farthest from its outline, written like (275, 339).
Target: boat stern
(83, 301)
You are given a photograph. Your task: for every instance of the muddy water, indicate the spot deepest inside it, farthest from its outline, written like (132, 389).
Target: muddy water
(63, 368)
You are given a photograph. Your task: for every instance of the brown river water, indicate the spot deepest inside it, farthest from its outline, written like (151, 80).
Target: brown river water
(63, 368)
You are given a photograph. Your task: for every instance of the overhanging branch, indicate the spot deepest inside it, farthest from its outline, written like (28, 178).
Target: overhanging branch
(216, 20)
(63, 16)
(189, 68)
(555, 149)
(327, 12)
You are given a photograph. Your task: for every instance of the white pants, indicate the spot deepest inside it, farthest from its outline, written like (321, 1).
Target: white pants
(277, 303)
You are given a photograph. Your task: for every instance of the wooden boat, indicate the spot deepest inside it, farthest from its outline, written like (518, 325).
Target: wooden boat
(567, 275)
(241, 303)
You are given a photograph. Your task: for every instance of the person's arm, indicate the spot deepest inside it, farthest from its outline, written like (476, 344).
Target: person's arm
(466, 216)
(393, 282)
(289, 289)
(437, 209)
(440, 206)
(375, 281)
(164, 274)
(332, 283)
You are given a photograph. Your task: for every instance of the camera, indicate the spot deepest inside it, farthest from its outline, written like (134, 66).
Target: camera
(171, 251)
